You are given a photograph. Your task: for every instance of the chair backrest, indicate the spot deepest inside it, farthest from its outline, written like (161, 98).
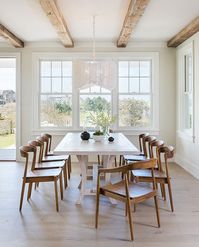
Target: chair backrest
(147, 164)
(146, 147)
(48, 141)
(24, 151)
(153, 146)
(40, 145)
(168, 153)
(45, 141)
(141, 145)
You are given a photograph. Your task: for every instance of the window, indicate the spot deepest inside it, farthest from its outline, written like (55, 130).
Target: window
(59, 103)
(188, 92)
(93, 100)
(135, 94)
(55, 93)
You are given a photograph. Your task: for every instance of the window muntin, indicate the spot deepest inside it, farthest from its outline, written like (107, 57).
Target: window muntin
(135, 94)
(55, 93)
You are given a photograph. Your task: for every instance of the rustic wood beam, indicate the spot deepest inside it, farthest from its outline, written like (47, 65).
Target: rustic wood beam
(55, 16)
(135, 11)
(6, 34)
(185, 33)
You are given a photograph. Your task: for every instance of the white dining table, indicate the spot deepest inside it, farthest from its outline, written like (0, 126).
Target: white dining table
(72, 144)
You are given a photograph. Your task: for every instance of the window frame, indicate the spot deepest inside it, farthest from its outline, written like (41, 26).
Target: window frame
(115, 56)
(188, 134)
(53, 93)
(136, 94)
(93, 94)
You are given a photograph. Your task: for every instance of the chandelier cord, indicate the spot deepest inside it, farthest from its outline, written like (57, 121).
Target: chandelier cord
(94, 53)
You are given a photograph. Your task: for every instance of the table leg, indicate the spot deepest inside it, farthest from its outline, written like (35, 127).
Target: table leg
(83, 161)
(109, 162)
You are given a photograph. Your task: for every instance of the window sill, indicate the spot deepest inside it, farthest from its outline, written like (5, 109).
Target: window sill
(186, 136)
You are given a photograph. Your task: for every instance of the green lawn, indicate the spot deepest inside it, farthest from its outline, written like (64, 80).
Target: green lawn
(7, 140)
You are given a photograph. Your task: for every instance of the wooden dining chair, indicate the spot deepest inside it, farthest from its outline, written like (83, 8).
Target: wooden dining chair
(52, 158)
(127, 191)
(48, 165)
(144, 140)
(162, 176)
(38, 176)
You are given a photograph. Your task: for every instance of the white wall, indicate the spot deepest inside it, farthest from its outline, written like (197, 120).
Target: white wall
(187, 151)
(167, 86)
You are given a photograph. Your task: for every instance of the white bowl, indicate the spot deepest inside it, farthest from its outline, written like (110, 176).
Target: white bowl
(98, 138)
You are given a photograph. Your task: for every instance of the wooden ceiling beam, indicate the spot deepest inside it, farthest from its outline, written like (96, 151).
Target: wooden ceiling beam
(185, 33)
(56, 18)
(7, 35)
(135, 11)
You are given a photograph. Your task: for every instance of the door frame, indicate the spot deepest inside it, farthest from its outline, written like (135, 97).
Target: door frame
(16, 55)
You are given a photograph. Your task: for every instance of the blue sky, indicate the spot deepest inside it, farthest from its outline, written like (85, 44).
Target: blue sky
(7, 74)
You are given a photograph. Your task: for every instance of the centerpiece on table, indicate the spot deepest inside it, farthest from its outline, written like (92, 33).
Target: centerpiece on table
(102, 122)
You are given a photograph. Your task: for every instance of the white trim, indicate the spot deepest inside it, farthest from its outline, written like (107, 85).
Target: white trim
(16, 55)
(190, 167)
(116, 56)
(181, 52)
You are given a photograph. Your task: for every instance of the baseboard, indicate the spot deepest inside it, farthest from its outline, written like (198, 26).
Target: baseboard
(190, 167)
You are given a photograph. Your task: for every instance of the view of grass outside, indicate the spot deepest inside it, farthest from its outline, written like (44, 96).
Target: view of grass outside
(7, 103)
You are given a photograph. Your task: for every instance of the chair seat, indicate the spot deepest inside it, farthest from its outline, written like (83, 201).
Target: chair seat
(51, 153)
(147, 173)
(136, 191)
(48, 165)
(55, 158)
(135, 158)
(44, 173)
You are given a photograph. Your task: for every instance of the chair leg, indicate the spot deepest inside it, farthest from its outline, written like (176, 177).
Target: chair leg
(65, 176)
(56, 194)
(120, 162)
(68, 166)
(97, 209)
(98, 159)
(162, 186)
(22, 195)
(29, 191)
(115, 161)
(170, 196)
(128, 202)
(157, 210)
(69, 163)
(61, 186)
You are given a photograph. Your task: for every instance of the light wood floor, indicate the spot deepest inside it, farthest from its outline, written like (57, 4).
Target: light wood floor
(40, 224)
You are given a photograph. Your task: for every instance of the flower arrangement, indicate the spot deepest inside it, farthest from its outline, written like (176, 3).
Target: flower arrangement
(102, 121)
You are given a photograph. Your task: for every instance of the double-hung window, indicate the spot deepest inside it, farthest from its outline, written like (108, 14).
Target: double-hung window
(135, 93)
(55, 93)
(60, 102)
(93, 100)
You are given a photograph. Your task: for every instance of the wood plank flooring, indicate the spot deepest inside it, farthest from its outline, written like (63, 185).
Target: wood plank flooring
(40, 225)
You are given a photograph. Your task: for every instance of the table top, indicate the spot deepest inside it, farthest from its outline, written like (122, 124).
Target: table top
(73, 144)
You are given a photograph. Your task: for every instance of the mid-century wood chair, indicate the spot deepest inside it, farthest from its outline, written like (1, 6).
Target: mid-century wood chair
(49, 165)
(162, 176)
(51, 158)
(127, 191)
(144, 140)
(49, 152)
(38, 176)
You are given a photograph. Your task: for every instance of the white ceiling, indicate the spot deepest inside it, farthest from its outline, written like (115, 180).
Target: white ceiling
(162, 19)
